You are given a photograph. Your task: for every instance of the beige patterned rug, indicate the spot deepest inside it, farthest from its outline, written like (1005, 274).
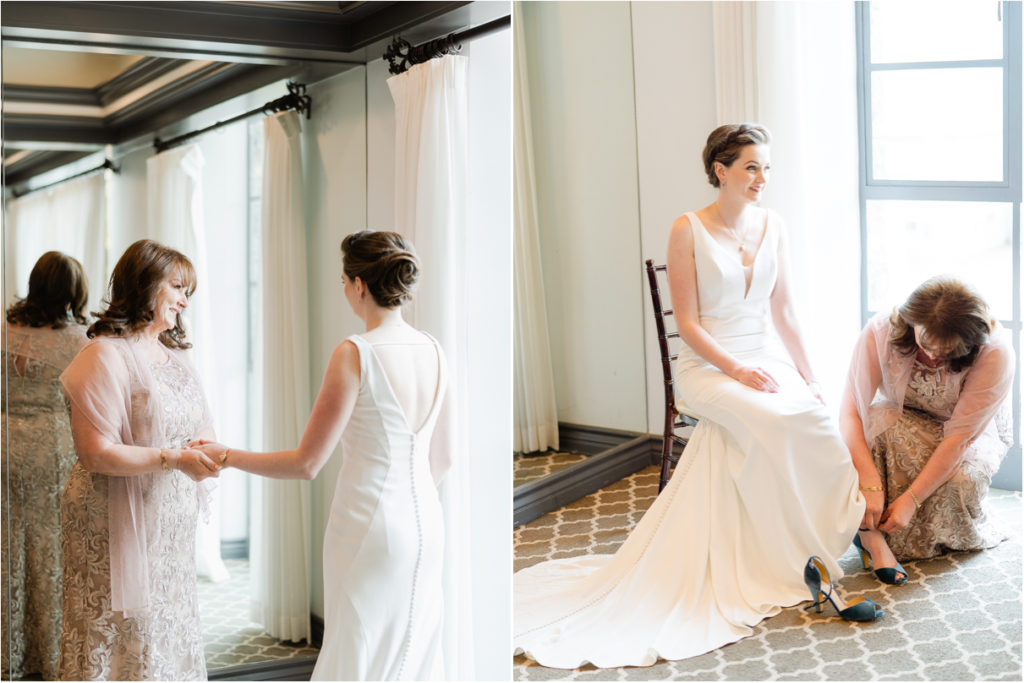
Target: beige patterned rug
(526, 468)
(958, 618)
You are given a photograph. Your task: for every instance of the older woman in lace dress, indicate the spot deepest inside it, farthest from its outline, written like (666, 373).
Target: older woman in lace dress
(130, 507)
(924, 387)
(43, 333)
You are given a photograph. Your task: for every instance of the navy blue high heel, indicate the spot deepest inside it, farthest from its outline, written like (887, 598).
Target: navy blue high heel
(818, 582)
(885, 574)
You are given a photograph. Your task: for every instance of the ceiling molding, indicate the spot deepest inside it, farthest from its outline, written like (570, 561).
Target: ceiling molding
(84, 97)
(39, 163)
(213, 30)
(135, 76)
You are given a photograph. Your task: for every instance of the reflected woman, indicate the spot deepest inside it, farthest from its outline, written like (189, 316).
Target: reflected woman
(382, 396)
(43, 333)
(131, 505)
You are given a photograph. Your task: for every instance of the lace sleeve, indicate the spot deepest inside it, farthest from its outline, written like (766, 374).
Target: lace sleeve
(985, 388)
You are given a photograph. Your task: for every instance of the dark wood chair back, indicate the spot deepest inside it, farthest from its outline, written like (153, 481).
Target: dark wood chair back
(674, 419)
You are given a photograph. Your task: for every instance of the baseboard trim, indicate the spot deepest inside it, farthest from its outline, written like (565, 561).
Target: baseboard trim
(614, 454)
(292, 669)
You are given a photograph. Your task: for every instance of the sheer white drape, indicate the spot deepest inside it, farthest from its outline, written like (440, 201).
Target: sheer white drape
(71, 218)
(430, 193)
(280, 534)
(535, 410)
(791, 66)
(174, 201)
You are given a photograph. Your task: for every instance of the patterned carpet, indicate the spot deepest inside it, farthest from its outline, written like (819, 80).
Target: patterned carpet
(958, 618)
(228, 634)
(526, 468)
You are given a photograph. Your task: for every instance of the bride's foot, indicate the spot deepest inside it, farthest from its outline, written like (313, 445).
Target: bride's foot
(875, 551)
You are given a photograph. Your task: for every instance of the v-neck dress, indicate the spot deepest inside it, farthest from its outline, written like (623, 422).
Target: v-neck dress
(764, 482)
(384, 543)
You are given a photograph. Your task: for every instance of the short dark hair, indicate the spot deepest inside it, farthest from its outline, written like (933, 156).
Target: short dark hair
(57, 293)
(385, 262)
(951, 313)
(725, 142)
(133, 288)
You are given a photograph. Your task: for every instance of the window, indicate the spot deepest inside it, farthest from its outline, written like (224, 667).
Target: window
(941, 148)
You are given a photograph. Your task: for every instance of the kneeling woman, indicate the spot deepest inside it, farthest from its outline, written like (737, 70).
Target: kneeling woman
(926, 446)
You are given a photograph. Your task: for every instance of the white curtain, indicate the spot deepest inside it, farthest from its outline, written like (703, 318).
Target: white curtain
(431, 133)
(791, 66)
(280, 536)
(174, 201)
(71, 218)
(535, 410)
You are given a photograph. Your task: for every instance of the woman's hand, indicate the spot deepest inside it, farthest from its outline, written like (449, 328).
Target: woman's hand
(755, 378)
(212, 449)
(196, 464)
(873, 509)
(898, 515)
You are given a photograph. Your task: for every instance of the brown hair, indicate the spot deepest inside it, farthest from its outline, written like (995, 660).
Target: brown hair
(385, 262)
(951, 313)
(57, 293)
(725, 142)
(133, 288)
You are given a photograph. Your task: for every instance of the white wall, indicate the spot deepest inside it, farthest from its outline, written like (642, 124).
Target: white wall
(580, 71)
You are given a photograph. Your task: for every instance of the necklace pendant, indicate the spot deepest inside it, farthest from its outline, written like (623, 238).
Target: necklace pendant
(741, 247)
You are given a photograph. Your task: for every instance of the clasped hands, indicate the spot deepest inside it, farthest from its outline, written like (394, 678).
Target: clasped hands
(201, 459)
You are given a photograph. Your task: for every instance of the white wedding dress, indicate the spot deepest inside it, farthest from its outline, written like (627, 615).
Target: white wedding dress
(384, 542)
(764, 482)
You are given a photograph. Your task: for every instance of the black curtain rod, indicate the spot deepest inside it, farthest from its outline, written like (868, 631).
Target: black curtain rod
(107, 164)
(401, 55)
(296, 99)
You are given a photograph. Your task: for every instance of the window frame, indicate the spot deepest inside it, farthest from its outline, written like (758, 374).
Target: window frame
(1007, 191)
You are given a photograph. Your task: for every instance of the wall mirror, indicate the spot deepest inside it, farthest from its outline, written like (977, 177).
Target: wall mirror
(89, 87)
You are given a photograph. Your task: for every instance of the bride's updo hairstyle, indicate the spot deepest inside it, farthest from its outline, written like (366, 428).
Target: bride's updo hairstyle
(952, 315)
(133, 288)
(385, 262)
(725, 142)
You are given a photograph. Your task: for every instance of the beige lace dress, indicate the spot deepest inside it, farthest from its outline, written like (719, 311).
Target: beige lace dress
(37, 456)
(161, 638)
(955, 516)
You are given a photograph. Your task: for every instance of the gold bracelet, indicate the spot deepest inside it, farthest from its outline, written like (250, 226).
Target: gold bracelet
(917, 503)
(871, 488)
(163, 461)
(224, 458)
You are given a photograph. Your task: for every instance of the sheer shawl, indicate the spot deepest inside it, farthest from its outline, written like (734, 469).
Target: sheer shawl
(112, 386)
(879, 375)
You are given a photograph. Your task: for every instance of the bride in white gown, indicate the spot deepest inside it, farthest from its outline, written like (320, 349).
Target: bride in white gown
(382, 394)
(764, 482)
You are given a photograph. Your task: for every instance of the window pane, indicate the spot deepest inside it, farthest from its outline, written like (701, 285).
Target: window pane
(910, 241)
(937, 124)
(935, 31)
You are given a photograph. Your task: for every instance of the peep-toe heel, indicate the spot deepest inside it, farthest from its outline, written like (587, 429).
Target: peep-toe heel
(821, 588)
(887, 575)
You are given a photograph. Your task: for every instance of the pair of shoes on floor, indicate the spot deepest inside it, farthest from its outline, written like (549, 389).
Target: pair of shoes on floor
(887, 575)
(818, 582)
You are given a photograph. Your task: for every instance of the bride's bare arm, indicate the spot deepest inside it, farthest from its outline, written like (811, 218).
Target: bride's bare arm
(784, 317)
(682, 282)
(330, 415)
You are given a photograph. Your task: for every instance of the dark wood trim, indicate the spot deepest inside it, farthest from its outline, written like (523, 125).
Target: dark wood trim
(589, 439)
(49, 95)
(135, 76)
(291, 669)
(38, 164)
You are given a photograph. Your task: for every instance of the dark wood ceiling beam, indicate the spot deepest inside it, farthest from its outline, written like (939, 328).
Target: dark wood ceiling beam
(212, 30)
(49, 95)
(33, 165)
(37, 128)
(135, 76)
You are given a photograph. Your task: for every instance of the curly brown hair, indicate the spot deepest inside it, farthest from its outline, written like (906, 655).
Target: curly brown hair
(133, 288)
(725, 142)
(952, 314)
(385, 262)
(57, 293)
